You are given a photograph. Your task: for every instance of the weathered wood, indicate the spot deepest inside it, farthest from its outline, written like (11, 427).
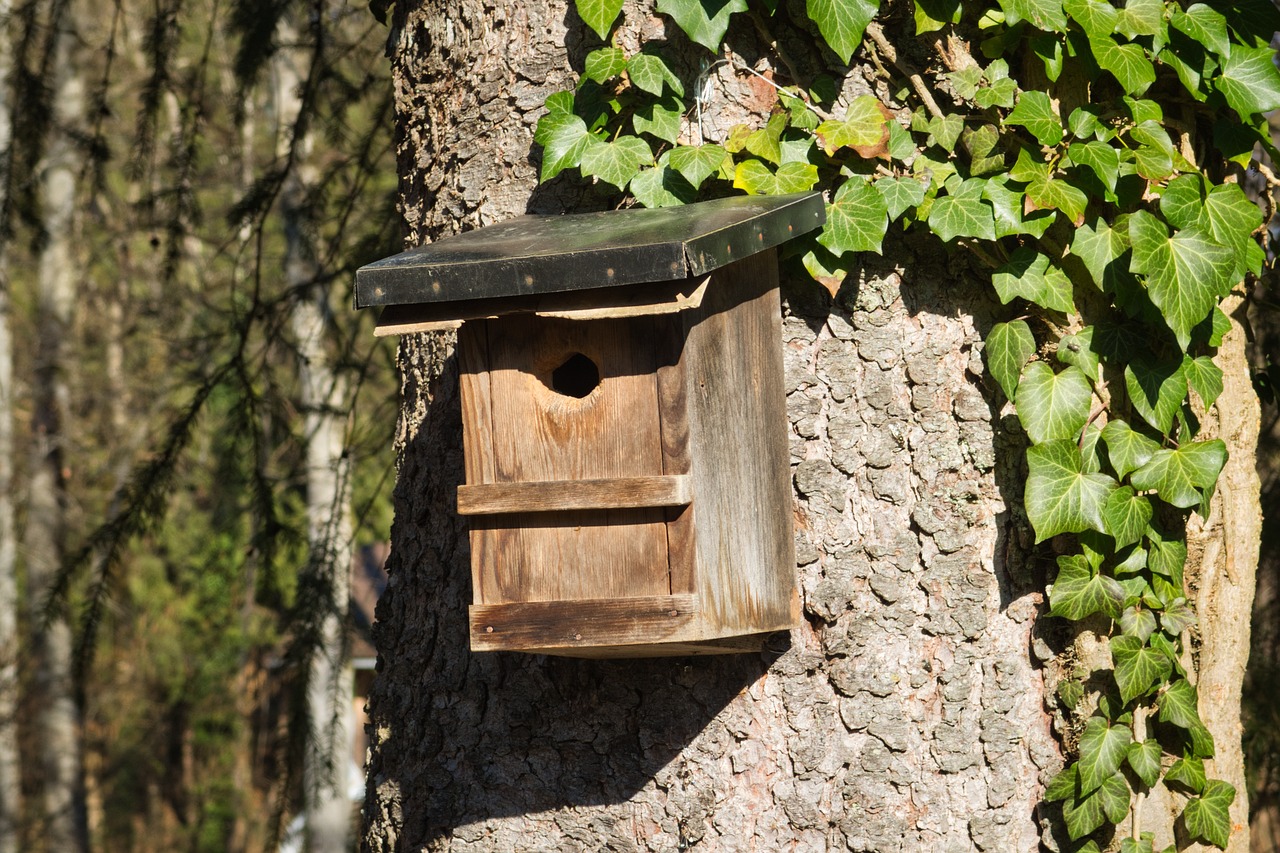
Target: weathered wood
(610, 493)
(573, 624)
(477, 423)
(673, 416)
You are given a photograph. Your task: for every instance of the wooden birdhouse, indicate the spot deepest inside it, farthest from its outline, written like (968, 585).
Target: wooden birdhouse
(624, 422)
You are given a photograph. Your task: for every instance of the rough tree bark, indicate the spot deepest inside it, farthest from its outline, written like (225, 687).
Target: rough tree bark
(909, 712)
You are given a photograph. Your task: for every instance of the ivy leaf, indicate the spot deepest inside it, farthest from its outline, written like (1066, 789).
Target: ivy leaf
(856, 219)
(1084, 122)
(659, 118)
(1180, 475)
(661, 187)
(1138, 622)
(864, 129)
(1203, 25)
(1183, 200)
(697, 163)
(1102, 750)
(1221, 326)
(933, 15)
(1167, 557)
(1043, 14)
(1208, 817)
(1141, 18)
(1079, 590)
(900, 194)
(1188, 772)
(650, 73)
(1097, 19)
(962, 212)
(1099, 158)
(1178, 705)
(1127, 450)
(1232, 220)
(1176, 618)
(1009, 348)
(1138, 667)
(1109, 803)
(841, 23)
(1142, 845)
(766, 143)
(1144, 758)
(1097, 244)
(1030, 275)
(564, 138)
(1050, 193)
(1053, 406)
(703, 21)
(1128, 63)
(1204, 377)
(1035, 112)
(1008, 205)
(1077, 350)
(1249, 80)
(756, 178)
(599, 14)
(1126, 515)
(1154, 154)
(605, 63)
(825, 268)
(1185, 273)
(1066, 782)
(1061, 497)
(615, 162)
(1156, 389)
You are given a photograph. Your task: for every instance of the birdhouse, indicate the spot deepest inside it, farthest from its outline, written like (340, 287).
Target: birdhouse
(624, 422)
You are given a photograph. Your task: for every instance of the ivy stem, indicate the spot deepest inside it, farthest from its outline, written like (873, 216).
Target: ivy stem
(917, 82)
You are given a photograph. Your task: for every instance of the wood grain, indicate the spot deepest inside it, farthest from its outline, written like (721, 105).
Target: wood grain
(611, 493)
(579, 623)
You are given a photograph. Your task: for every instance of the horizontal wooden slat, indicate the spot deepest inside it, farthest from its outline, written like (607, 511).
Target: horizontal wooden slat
(571, 624)
(558, 495)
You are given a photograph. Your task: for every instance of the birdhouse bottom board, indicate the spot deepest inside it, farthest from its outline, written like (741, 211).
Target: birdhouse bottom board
(627, 480)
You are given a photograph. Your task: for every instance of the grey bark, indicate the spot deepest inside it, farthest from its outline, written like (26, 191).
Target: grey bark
(44, 535)
(909, 713)
(323, 397)
(10, 781)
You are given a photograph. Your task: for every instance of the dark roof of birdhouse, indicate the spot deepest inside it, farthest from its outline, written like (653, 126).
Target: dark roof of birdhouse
(547, 254)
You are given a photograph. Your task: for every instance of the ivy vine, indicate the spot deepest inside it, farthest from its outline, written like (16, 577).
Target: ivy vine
(1112, 223)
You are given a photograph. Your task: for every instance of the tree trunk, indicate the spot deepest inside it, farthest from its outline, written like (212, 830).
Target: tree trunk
(909, 712)
(10, 769)
(44, 539)
(330, 680)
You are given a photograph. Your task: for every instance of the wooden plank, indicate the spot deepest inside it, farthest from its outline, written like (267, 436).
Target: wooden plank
(477, 424)
(673, 416)
(611, 493)
(575, 624)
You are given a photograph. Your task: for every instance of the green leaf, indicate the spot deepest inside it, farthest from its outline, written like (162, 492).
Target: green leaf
(1097, 244)
(842, 22)
(1084, 122)
(564, 138)
(825, 268)
(1127, 450)
(703, 21)
(856, 219)
(1179, 476)
(963, 213)
(1157, 389)
(1126, 515)
(661, 187)
(1060, 496)
(1167, 557)
(1009, 348)
(1099, 158)
(1008, 204)
(1203, 25)
(1077, 350)
(1204, 377)
(1232, 220)
(1138, 622)
(1029, 275)
(900, 194)
(1097, 19)
(1185, 273)
(1043, 14)
(599, 14)
(697, 163)
(650, 73)
(1065, 783)
(1249, 80)
(1143, 845)
(1053, 406)
(1128, 63)
(1141, 18)
(1182, 202)
(864, 129)
(1221, 326)
(1138, 667)
(1178, 705)
(1144, 758)
(766, 143)
(1188, 772)
(1102, 750)
(1176, 618)
(1000, 93)
(659, 118)
(1155, 153)
(1208, 817)
(756, 178)
(933, 15)
(1035, 112)
(945, 130)
(1108, 804)
(605, 63)
(615, 162)
(1079, 590)
(1048, 193)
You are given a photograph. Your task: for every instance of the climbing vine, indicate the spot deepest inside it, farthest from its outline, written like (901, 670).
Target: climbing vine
(1086, 153)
